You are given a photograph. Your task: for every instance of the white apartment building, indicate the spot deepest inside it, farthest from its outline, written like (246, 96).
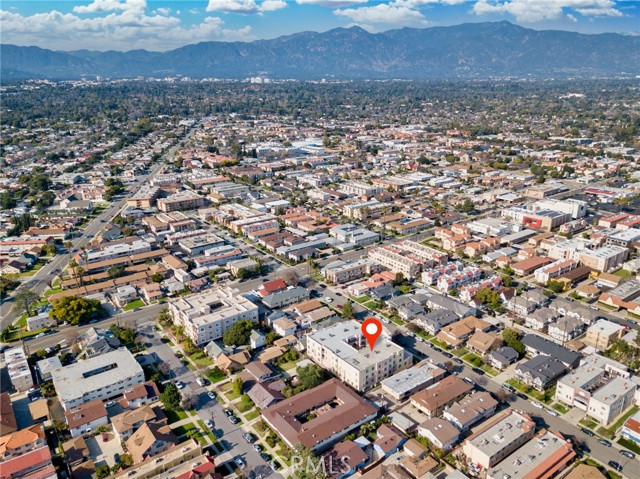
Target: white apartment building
(360, 189)
(499, 438)
(362, 210)
(352, 234)
(553, 270)
(114, 251)
(604, 259)
(343, 350)
(342, 272)
(575, 208)
(101, 377)
(408, 257)
(182, 200)
(18, 368)
(568, 249)
(599, 386)
(207, 315)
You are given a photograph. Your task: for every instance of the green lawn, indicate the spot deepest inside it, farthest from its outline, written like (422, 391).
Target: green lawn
(201, 359)
(545, 396)
(182, 430)
(243, 406)
(459, 352)
(137, 303)
(215, 376)
(289, 364)
(560, 408)
(422, 333)
(22, 322)
(440, 344)
(371, 304)
(250, 416)
(175, 416)
(623, 273)
(362, 300)
(227, 389)
(611, 430)
(473, 359)
(588, 423)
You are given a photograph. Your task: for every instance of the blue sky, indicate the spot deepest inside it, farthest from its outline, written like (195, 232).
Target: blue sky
(163, 25)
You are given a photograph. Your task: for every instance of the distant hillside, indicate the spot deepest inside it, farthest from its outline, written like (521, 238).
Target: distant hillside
(474, 50)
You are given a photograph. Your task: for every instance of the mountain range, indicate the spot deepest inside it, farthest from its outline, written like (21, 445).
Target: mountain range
(474, 50)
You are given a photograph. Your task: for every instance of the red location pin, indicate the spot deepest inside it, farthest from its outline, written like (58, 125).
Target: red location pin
(371, 329)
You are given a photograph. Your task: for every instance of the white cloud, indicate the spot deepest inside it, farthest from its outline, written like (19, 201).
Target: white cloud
(118, 30)
(245, 7)
(99, 6)
(529, 11)
(571, 18)
(330, 3)
(384, 13)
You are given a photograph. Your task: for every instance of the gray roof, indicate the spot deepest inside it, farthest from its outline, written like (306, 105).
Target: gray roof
(505, 355)
(549, 348)
(444, 302)
(543, 367)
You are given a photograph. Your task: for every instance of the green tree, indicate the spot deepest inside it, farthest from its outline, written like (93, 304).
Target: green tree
(312, 467)
(115, 271)
(512, 338)
(270, 337)
(170, 397)
(25, 301)
(74, 309)
(237, 386)
(103, 471)
(157, 278)
(347, 310)
(555, 286)
(310, 377)
(238, 334)
(466, 206)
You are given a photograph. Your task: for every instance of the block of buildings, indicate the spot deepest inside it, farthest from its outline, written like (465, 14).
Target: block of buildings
(600, 387)
(405, 383)
(25, 454)
(603, 333)
(544, 456)
(606, 258)
(339, 271)
(208, 314)
(434, 399)
(102, 377)
(625, 296)
(18, 369)
(337, 410)
(540, 372)
(498, 438)
(537, 345)
(343, 350)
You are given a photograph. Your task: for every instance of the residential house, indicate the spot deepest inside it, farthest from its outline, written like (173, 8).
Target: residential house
(126, 423)
(537, 345)
(501, 358)
(440, 432)
(540, 372)
(482, 343)
(434, 399)
(86, 418)
(150, 439)
(471, 409)
(389, 440)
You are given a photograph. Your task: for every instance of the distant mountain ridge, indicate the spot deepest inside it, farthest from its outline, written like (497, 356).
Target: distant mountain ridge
(473, 50)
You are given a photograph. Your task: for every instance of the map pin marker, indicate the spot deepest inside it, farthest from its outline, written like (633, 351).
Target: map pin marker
(371, 329)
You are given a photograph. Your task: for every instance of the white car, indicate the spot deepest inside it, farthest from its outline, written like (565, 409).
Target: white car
(552, 412)
(240, 463)
(201, 381)
(537, 404)
(179, 384)
(328, 299)
(110, 404)
(208, 423)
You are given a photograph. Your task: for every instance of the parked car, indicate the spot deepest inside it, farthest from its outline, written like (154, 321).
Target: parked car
(628, 454)
(457, 360)
(233, 419)
(537, 404)
(240, 463)
(604, 442)
(615, 465)
(201, 381)
(211, 395)
(228, 412)
(447, 355)
(522, 396)
(273, 465)
(257, 447)
(265, 456)
(478, 371)
(248, 437)
(179, 384)
(470, 381)
(110, 404)
(588, 432)
(552, 412)
(105, 437)
(327, 299)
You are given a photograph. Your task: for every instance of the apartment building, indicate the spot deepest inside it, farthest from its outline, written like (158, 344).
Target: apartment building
(354, 235)
(18, 369)
(542, 457)
(199, 244)
(541, 219)
(339, 271)
(407, 257)
(553, 270)
(114, 251)
(102, 377)
(603, 333)
(207, 315)
(145, 197)
(343, 350)
(360, 189)
(362, 210)
(86, 418)
(336, 411)
(471, 409)
(606, 258)
(499, 438)
(600, 386)
(575, 208)
(405, 383)
(433, 400)
(182, 200)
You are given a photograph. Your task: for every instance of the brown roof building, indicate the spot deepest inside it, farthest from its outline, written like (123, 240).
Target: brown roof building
(8, 422)
(434, 399)
(337, 409)
(150, 439)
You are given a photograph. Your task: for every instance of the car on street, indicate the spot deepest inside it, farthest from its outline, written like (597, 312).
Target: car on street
(248, 437)
(447, 355)
(552, 412)
(628, 454)
(110, 404)
(208, 423)
(211, 395)
(478, 371)
(240, 463)
(522, 396)
(257, 447)
(180, 384)
(201, 382)
(470, 381)
(508, 388)
(265, 456)
(604, 442)
(228, 412)
(631, 321)
(233, 419)
(537, 404)
(615, 465)
(457, 360)
(588, 432)
(327, 299)
(419, 339)
(273, 465)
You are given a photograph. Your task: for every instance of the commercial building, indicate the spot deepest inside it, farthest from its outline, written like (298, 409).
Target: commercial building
(541, 219)
(405, 383)
(183, 200)
(207, 315)
(600, 387)
(360, 189)
(335, 411)
(604, 259)
(343, 350)
(499, 438)
(575, 208)
(101, 377)
(544, 456)
(603, 333)
(199, 244)
(433, 400)
(113, 251)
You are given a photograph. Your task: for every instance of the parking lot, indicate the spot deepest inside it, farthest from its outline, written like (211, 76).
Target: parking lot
(104, 452)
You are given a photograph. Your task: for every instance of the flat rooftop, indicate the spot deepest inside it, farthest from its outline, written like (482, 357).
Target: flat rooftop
(502, 431)
(409, 379)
